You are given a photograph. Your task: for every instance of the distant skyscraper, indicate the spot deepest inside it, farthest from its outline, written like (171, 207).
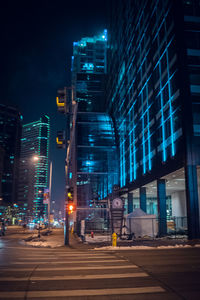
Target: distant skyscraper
(33, 176)
(93, 170)
(153, 95)
(10, 134)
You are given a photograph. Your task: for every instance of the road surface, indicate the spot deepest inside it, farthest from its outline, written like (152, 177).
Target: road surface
(69, 273)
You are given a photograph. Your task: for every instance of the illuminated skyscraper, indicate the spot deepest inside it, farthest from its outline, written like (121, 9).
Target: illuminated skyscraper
(10, 134)
(153, 94)
(94, 170)
(34, 167)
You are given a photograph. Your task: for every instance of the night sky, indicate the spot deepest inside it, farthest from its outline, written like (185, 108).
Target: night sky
(36, 50)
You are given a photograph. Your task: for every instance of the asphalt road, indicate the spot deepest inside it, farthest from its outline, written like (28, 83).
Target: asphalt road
(79, 273)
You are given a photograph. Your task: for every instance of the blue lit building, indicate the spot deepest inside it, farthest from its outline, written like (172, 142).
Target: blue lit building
(94, 168)
(153, 96)
(33, 175)
(10, 134)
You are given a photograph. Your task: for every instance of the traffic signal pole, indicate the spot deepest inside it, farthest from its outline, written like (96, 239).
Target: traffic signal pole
(67, 170)
(66, 228)
(66, 107)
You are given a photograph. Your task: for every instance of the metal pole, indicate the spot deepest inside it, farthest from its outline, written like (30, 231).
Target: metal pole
(66, 227)
(49, 202)
(67, 166)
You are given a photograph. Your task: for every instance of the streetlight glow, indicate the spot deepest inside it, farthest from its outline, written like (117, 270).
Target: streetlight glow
(35, 158)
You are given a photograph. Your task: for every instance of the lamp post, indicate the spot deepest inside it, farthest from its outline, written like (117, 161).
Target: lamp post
(49, 202)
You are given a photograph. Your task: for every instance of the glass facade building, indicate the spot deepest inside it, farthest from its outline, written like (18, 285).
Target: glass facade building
(10, 134)
(153, 96)
(94, 167)
(33, 175)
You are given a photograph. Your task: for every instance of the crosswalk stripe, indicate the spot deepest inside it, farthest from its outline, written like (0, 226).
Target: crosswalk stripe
(70, 268)
(69, 262)
(47, 258)
(94, 292)
(68, 254)
(77, 277)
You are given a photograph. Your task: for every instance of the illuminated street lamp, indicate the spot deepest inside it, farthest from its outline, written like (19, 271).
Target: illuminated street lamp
(35, 158)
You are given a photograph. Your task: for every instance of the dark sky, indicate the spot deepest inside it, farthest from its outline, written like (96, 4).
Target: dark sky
(35, 60)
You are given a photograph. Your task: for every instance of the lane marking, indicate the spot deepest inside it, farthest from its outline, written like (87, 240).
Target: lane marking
(71, 268)
(77, 277)
(71, 293)
(68, 262)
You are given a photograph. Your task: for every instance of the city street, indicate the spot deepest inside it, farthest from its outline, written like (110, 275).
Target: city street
(79, 273)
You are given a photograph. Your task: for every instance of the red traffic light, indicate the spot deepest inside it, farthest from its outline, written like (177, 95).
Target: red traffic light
(70, 208)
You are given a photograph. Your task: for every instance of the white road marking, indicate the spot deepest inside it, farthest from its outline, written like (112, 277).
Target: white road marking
(76, 277)
(68, 262)
(30, 248)
(71, 293)
(53, 257)
(70, 268)
(69, 254)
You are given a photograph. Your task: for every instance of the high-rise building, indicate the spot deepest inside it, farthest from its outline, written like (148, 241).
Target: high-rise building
(94, 169)
(10, 134)
(33, 175)
(153, 95)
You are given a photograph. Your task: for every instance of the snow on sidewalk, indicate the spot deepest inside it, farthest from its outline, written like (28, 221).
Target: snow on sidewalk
(146, 247)
(50, 241)
(56, 239)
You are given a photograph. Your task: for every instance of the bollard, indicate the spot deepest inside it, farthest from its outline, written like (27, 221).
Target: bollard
(114, 239)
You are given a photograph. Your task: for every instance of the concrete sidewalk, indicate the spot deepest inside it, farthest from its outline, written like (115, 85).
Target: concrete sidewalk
(56, 239)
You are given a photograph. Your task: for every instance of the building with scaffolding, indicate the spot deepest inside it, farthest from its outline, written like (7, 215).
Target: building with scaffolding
(33, 172)
(153, 96)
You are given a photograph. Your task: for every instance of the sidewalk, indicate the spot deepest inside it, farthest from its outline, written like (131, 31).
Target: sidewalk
(56, 239)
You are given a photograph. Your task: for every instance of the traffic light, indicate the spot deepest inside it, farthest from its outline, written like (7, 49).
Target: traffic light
(70, 208)
(60, 139)
(70, 194)
(70, 200)
(61, 101)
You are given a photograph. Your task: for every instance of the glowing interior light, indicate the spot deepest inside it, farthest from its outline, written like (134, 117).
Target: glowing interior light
(88, 66)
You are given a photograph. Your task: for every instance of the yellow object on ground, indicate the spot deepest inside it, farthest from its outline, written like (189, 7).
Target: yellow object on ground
(114, 239)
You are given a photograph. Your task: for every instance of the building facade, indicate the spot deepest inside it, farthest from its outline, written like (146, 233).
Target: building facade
(10, 134)
(153, 95)
(94, 162)
(33, 175)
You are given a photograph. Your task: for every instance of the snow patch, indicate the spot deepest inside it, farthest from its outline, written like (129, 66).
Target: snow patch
(147, 247)
(97, 238)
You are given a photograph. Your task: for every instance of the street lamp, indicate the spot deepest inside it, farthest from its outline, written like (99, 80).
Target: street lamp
(35, 158)
(50, 182)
